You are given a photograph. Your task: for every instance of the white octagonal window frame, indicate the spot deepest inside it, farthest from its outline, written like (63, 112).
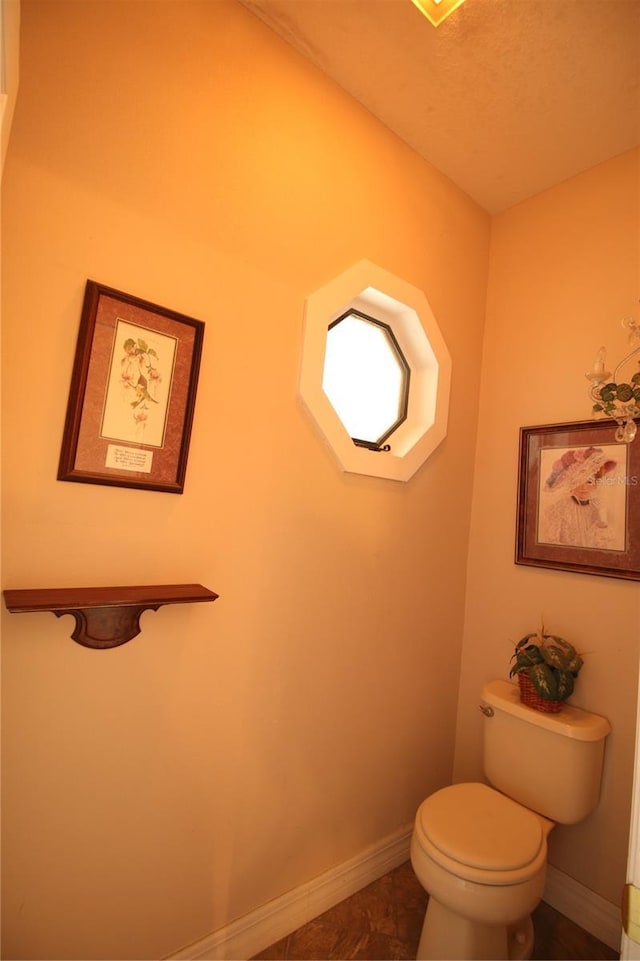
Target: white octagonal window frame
(390, 300)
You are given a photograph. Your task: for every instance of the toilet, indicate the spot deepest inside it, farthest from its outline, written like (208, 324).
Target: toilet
(480, 851)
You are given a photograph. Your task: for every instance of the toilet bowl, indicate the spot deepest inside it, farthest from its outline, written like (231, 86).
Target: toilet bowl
(480, 850)
(482, 858)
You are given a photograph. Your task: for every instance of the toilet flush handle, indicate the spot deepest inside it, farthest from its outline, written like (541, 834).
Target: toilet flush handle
(486, 710)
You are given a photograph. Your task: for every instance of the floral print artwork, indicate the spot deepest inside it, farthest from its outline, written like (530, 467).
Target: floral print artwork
(138, 386)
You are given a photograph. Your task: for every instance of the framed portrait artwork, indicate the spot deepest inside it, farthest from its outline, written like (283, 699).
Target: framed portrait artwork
(132, 396)
(579, 500)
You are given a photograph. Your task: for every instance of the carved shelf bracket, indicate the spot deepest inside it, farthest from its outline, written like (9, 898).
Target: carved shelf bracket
(105, 616)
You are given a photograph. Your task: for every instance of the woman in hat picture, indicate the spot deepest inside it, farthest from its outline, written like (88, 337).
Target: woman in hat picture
(577, 517)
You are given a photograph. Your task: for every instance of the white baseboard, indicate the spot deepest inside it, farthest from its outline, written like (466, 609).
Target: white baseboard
(593, 913)
(272, 921)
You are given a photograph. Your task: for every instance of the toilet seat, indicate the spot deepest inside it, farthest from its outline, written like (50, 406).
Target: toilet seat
(480, 835)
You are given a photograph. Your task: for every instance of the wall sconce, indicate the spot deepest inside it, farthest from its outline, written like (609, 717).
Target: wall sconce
(613, 398)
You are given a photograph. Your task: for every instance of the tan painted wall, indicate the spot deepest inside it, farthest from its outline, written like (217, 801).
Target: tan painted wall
(10, 69)
(564, 272)
(183, 153)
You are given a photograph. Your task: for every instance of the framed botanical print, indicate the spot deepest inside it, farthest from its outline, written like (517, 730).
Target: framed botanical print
(132, 396)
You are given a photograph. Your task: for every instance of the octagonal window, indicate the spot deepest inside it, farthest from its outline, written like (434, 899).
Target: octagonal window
(366, 378)
(375, 372)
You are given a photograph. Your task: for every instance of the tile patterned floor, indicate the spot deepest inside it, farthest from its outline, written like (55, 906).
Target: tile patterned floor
(383, 923)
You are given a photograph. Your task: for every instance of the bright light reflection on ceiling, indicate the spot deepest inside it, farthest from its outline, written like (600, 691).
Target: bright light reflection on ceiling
(437, 10)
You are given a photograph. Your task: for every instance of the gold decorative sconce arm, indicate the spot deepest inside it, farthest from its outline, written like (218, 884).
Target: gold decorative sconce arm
(613, 398)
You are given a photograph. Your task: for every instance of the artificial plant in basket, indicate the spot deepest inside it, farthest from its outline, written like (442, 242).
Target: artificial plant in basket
(551, 664)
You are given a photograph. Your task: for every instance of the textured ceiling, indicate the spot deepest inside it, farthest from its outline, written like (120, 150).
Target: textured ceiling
(506, 97)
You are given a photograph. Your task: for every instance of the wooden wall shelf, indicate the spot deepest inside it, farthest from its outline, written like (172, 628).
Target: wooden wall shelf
(105, 616)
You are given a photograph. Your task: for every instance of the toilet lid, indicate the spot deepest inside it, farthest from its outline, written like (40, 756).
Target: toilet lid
(477, 826)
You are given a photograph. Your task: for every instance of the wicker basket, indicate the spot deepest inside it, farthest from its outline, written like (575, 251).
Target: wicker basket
(530, 697)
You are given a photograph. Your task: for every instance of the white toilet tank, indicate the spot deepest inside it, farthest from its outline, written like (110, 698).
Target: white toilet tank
(550, 763)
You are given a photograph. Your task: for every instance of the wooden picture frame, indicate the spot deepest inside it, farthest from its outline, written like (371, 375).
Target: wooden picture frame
(579, 500)
(132, 396)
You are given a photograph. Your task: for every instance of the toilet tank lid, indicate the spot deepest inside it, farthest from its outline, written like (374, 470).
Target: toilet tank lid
(570, 721)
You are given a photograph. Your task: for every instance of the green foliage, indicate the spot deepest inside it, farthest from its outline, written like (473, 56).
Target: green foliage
(612, 394)
(551, 663)
(624, 393)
